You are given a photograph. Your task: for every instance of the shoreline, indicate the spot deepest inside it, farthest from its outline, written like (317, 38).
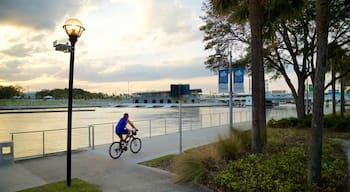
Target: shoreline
(25, 107)
(113, 105)
(15, 111)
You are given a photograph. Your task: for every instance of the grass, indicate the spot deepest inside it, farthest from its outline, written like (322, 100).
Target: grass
(77, 185)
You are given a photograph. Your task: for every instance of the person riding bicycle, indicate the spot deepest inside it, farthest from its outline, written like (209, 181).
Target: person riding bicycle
(121, 129)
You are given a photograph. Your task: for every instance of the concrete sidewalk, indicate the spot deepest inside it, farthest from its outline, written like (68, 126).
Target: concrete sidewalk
(96, 167)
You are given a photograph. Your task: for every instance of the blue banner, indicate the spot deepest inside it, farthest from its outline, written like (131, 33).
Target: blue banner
(223, 80)
(238, 80)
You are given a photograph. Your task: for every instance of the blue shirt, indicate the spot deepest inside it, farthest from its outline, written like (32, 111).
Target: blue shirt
(121, 125)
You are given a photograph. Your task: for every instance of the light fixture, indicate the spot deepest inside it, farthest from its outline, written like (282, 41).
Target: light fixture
(73, 27)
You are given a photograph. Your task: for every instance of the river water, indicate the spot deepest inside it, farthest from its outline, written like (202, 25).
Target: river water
(20, 122)
(38, 133)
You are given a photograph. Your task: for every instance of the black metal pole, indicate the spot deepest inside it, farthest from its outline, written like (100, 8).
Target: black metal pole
(230, 97)
(73, 40)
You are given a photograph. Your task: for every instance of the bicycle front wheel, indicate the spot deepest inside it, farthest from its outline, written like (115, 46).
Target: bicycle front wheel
(135, 145)
(115, 150)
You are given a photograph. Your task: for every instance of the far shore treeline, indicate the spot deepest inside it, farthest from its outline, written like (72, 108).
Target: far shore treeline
(11, 92)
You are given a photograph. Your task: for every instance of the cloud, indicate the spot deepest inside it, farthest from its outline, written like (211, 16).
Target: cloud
(168, 23)
(37, 14)
(128, 40)
(112, 71)
(168, 16)
(27, 69)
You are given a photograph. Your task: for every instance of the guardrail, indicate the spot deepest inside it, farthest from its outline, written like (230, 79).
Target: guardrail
(30, 144)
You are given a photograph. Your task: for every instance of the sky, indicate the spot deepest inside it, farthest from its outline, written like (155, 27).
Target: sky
(128, 46)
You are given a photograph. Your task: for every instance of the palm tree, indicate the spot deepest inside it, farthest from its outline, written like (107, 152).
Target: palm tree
(314, 171)
(343, 81)
(238, 10)
(259, 14)
(337, 63)
(256, 20)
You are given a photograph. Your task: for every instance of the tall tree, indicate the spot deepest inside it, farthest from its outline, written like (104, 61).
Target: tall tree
(260, 14)
(255, 10)
(290, 41)
(256, 20)
(339, 67)
(343, 80)
(314, 171)
(8, 92)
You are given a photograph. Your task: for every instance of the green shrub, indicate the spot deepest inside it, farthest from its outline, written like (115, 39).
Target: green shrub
(337, 123)
(283, 123)
(329, 121)
(278, 172)
(305, 123)
(271, 123)
(334, 171)
(285, 170)
(234, 145)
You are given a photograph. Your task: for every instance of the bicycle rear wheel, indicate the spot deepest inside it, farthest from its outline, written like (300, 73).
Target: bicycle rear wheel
(135, 145)
(115, 150)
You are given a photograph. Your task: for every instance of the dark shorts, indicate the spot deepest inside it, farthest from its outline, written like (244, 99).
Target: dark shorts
(123, 131)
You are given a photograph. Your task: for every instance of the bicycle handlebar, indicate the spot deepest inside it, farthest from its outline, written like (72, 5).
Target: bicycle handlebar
(134, 131)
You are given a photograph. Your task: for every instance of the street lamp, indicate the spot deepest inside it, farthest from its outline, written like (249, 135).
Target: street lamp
(218, 55)
(74, 29)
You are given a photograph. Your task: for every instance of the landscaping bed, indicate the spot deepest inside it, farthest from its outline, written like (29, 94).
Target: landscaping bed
(228, 164)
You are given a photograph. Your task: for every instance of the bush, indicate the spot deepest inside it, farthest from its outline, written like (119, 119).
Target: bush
(337, 122)
(334, 171)
(278, 172)
(283, 123)
(283, 171)
(281, 167)
(329, 121)
(306, 122)
(234, 145)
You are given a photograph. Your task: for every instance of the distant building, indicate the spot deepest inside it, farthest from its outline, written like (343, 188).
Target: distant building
(164, 97)
(278, 91)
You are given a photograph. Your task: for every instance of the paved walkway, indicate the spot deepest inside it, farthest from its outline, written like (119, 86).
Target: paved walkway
(96, 167)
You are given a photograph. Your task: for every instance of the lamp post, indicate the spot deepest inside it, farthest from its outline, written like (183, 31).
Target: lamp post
(74, 29)
(218, 55)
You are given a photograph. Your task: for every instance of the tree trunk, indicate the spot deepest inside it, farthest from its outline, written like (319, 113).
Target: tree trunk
(256, 11)
(300, 101)
(314, 170)
(334, 102)
(342, 98)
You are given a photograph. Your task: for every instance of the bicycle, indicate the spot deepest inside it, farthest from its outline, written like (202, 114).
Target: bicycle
(116, 149)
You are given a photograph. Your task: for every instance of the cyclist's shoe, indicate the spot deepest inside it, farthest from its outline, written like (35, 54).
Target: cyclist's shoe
(124, 143)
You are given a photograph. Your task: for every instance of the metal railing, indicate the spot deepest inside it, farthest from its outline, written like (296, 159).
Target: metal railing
(29, 144)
